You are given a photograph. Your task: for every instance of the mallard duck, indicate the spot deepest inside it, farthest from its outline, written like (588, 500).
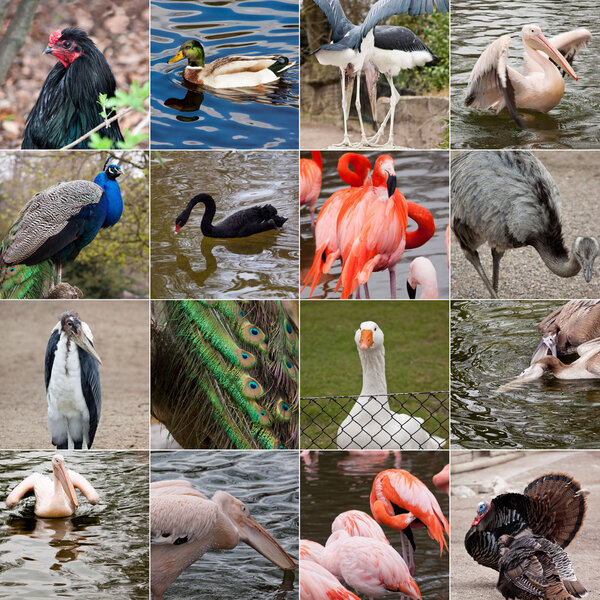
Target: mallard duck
(230, 71)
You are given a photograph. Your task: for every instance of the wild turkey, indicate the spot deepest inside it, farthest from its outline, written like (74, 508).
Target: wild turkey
(52, 228)
(534, 568)
(552, 506)
(225, 373)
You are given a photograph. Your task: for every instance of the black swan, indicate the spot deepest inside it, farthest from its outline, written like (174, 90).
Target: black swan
(240, 224)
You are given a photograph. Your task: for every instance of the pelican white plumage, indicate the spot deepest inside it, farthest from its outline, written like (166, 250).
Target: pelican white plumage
(494, 84)
(371, 423)
(55, 496)
(185, 525)
(72, 383)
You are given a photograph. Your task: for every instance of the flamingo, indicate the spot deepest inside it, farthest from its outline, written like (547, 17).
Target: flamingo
(310, 550)
(317, 583)
(368, 565)
(185, 524)
(494, 84)
(326, 241)
(55, 497)
(375, 239)
(310, 182)
(357, 523)
(441, 480)
(422, 272)
(402, 501)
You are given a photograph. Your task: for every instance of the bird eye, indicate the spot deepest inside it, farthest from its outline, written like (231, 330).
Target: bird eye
(67, 44)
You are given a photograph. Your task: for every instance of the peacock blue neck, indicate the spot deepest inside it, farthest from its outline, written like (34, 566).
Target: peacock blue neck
(111, 201)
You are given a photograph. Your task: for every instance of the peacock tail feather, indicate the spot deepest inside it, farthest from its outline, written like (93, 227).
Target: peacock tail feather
(225, 373)
(21, 281)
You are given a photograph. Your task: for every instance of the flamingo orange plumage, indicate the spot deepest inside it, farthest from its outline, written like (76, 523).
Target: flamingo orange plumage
(310, 182)
(401, 500)
(369, 566)
(376, 239)
(355, 170)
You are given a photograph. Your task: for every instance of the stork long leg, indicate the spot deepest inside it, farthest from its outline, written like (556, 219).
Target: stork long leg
(473, 258)
(393, 102)
(496, 256)
(363, 137)
(346, 87)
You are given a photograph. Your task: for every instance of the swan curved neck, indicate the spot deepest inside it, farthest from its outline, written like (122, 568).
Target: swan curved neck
(209, 211)
(373, 365)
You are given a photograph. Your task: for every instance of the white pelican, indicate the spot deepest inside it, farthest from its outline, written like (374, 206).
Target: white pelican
(185, 524)
(54, 497)
(72, 383)
(371, 423)
(493, 84)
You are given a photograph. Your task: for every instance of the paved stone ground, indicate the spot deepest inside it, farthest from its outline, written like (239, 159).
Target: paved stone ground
(470, 581)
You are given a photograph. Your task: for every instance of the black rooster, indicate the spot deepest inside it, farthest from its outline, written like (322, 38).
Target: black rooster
(67, 106)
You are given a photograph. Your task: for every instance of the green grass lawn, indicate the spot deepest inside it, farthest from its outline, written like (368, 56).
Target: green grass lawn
(416, 345)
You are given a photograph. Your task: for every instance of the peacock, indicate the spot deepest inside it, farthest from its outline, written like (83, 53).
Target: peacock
(225, 373)
(51, 230)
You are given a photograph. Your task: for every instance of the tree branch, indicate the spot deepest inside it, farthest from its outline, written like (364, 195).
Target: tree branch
(16, 34)
(97, 128)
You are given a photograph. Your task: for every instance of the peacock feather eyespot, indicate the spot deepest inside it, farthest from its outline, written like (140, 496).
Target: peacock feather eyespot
(283, 410)
(252, 333)
(246, 358)
(252, 389)
(264, 416)
(288, 328)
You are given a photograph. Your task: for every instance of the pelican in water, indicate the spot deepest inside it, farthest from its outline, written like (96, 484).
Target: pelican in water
(185, 524)
(587, 366)
(55, 496)
(494, 84)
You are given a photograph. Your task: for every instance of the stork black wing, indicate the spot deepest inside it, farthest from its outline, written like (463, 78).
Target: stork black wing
(50, 351)
(90, 386)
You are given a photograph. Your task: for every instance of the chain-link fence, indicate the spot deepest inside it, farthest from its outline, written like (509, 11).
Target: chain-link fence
(407, 420)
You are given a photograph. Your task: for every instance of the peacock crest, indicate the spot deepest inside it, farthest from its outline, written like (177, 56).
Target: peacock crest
(225, 373)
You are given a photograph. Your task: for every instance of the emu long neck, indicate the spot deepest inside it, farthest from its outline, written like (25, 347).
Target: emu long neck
(562, 263)
(373, 364)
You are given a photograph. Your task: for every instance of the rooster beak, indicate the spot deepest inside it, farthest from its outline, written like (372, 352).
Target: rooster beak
(48, 50)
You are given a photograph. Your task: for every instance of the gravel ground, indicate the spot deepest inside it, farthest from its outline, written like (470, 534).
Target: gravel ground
(523, 274)
(471, 581)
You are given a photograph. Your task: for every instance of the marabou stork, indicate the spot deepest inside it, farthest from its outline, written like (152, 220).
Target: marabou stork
(381, 49)
(72, 383)
(494, 84)
(509, 200)
(67, 107)
(186, 525)
(51, 230)
(55, 497)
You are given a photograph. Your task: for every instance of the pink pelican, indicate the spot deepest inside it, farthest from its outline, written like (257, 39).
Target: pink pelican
(55, 496)
(370, 566)
(185, 524)
(493, 84)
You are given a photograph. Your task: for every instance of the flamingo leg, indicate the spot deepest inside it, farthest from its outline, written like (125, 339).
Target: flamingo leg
(393, 282)
(367, 295)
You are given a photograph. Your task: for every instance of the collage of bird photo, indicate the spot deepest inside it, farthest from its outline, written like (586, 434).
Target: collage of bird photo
(299, 299)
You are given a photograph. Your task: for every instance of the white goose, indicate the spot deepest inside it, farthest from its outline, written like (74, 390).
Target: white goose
(371, 423)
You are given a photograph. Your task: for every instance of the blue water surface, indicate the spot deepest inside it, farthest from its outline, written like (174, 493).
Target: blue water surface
(193, 117)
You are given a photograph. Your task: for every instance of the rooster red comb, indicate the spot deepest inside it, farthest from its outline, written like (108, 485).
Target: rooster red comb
(55, 36)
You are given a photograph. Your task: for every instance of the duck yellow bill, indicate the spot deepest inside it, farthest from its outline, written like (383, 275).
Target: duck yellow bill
(178, 56)
(261, 540)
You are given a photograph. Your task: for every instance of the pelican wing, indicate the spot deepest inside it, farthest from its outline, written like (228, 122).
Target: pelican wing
(49, 221)
(169, 487)
(570, 43)
(85, 487)
(589, 348)
(339, 23)
(25, 488)
(180, 518)
(492, 80)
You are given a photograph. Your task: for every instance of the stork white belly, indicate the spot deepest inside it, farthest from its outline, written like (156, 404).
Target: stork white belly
(336, 59)
(65, 396)
(394, 61)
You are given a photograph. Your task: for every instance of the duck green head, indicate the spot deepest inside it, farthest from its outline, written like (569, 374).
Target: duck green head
(193, 51)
